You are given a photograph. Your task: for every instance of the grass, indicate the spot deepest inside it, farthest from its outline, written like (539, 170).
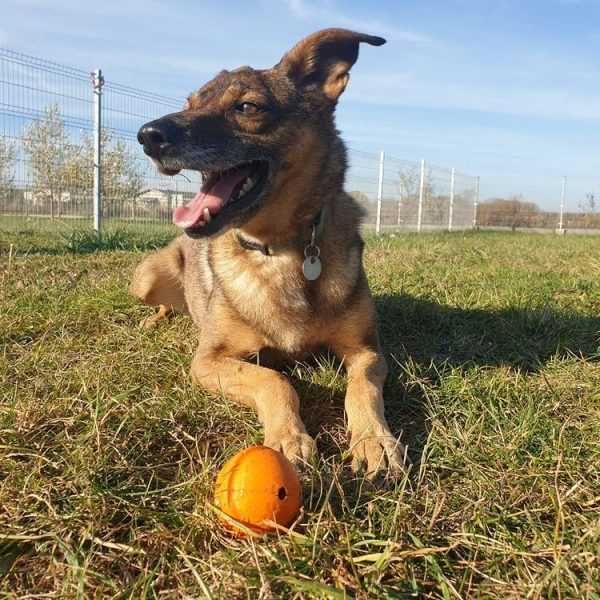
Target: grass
(47, 236)
(108, 454)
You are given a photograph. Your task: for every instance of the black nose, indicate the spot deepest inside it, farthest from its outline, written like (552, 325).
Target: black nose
(150, 135)
(157, 136)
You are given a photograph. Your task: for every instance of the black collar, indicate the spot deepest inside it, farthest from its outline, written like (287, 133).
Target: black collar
(247, 244)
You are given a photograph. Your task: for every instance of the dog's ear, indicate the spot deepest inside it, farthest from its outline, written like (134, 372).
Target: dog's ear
(325, 58)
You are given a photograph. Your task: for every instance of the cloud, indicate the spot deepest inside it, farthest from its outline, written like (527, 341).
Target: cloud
(200, 66)
(106, 8)
(327, 15)
(409, 90)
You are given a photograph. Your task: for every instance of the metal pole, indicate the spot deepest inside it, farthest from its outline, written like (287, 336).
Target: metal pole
(451, 208)
(380, 193)
(421, 191)
(98, 81)
(476, 203)
(399, 217)
(563, 196)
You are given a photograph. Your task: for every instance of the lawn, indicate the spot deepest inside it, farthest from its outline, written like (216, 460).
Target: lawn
(108, 453)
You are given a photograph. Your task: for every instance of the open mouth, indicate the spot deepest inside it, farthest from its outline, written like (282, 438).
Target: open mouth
(222, 193)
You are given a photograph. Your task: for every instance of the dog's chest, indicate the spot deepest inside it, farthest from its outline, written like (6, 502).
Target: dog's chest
(272, 296)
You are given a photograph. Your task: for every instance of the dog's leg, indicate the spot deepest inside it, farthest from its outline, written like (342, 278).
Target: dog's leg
(268, 392)
(372, 444)
(164, 311)
(157, 281)
(355, 342)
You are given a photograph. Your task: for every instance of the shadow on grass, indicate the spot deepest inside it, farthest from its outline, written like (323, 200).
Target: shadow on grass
(526, 339)
(439, 337)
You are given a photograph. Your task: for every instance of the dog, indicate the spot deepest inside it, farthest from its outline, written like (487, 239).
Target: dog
(269, 265)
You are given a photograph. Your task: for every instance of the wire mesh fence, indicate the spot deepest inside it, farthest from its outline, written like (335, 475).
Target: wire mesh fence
(44, 127)
(47, 151)
(48, 162)
(413, 196)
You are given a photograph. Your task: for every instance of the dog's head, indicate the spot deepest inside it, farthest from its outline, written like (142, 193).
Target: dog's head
(242, 130)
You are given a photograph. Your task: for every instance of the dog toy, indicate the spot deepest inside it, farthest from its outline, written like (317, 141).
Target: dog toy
(256, 486)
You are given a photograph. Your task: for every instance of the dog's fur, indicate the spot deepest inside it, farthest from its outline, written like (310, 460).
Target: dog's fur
(250, 304)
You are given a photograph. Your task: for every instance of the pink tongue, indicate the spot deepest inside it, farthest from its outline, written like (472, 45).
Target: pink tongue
(192, 214)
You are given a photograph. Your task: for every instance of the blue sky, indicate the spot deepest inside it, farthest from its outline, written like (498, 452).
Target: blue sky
(506, 89)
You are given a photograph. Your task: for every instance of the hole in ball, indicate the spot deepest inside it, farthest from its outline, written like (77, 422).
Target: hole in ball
(281, 493)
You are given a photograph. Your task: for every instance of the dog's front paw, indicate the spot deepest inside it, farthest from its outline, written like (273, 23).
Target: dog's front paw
(297, 446)
(376, 451)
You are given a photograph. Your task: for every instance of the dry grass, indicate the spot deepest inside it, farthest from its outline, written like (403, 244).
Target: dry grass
(108, 454)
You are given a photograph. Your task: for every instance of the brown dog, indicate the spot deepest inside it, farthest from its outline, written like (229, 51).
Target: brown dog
(271, 259)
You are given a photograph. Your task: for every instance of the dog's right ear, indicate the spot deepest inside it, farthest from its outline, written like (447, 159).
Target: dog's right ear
(325, 58)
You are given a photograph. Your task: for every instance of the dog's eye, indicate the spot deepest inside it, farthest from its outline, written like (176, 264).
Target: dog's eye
(248, 108)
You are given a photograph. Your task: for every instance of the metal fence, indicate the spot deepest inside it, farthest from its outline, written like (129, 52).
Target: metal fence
(55, 122)
(413, 196)
(59, 124)
(69, 158)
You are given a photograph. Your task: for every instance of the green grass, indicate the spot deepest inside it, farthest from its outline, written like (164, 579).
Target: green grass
(52, 236)
(108, 453)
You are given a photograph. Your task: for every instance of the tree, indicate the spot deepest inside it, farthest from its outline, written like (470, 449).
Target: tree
(589, 204)
(588, 208)
(121, 177)
(46, 144)
(8, 157)
(409, 183)
(58, 164)
(514, 212)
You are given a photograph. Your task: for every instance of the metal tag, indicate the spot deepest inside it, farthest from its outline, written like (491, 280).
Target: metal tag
(311, 267)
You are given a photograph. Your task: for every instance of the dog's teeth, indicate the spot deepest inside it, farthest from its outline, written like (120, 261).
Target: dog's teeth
(247, 185)
(207, 216)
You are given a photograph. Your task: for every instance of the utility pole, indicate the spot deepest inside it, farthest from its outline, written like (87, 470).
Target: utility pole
(563, 196)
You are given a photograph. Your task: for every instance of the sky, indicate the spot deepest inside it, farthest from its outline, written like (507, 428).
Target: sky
(508, 89)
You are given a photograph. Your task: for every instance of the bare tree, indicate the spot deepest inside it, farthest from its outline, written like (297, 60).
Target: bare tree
(589, 204)
(409, 182)
(122, 180)
(58, 164)
(513, 212)
(8, 157)
(588, 207)
(47, 146)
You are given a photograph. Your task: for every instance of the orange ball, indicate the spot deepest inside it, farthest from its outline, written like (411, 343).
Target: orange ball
(258, 484)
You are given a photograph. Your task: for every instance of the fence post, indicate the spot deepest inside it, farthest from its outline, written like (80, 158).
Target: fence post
(451, 208)
(380, 192)
(421, 192)
(98, 82)
(563, 197)
(476, 203)
(399, 217)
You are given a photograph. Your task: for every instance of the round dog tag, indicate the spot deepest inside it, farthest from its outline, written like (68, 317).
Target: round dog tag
(311, 267)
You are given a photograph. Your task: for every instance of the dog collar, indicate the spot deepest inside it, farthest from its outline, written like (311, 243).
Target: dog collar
(264, 249)
(247, 244)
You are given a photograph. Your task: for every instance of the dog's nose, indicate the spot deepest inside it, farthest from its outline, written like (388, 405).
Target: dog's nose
(149, 135)
(157, 135)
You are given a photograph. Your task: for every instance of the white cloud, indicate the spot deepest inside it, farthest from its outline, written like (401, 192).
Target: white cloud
(408, 90)
(106, 8)
(328, 15)
(200, 66)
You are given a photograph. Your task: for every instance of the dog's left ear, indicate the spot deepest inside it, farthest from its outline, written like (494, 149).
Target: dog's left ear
(325, 58)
